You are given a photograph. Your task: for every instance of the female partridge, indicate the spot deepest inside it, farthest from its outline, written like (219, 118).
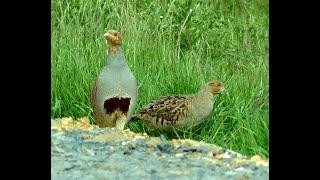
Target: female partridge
(181, 111)
(114, 93)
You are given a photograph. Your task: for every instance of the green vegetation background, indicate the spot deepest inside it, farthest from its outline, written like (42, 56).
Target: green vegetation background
(171, 47)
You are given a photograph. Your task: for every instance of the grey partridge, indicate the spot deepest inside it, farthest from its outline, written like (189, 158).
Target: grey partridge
(180, 111)
(114, 93)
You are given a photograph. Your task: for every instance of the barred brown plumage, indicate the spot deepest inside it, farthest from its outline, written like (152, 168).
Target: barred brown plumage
(180, 111)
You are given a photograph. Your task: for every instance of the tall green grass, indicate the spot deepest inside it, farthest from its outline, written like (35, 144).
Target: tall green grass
(171, 47)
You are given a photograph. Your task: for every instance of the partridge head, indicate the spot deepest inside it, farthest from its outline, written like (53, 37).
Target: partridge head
(214, 87)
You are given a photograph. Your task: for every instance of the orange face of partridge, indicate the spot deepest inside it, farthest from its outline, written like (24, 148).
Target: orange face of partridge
(216, 87)
(114, 40)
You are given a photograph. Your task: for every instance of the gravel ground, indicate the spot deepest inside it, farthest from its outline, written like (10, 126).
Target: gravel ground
(82, 151)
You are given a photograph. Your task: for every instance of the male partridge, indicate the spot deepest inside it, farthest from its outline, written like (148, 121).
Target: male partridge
(180, 111)
(114, 93)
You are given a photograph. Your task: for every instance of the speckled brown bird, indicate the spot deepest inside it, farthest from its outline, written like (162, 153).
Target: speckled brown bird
(180, 111)
(114, 94)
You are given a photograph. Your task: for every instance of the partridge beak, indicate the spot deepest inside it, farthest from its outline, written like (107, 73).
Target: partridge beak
(223, 90)
(106, 34)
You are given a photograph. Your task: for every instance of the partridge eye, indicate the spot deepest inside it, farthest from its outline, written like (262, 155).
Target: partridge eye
(115, 34)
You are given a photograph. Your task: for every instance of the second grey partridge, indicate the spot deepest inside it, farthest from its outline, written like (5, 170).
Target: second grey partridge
(180, 111)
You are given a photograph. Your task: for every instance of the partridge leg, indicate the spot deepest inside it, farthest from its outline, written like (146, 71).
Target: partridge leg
(121, 121)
